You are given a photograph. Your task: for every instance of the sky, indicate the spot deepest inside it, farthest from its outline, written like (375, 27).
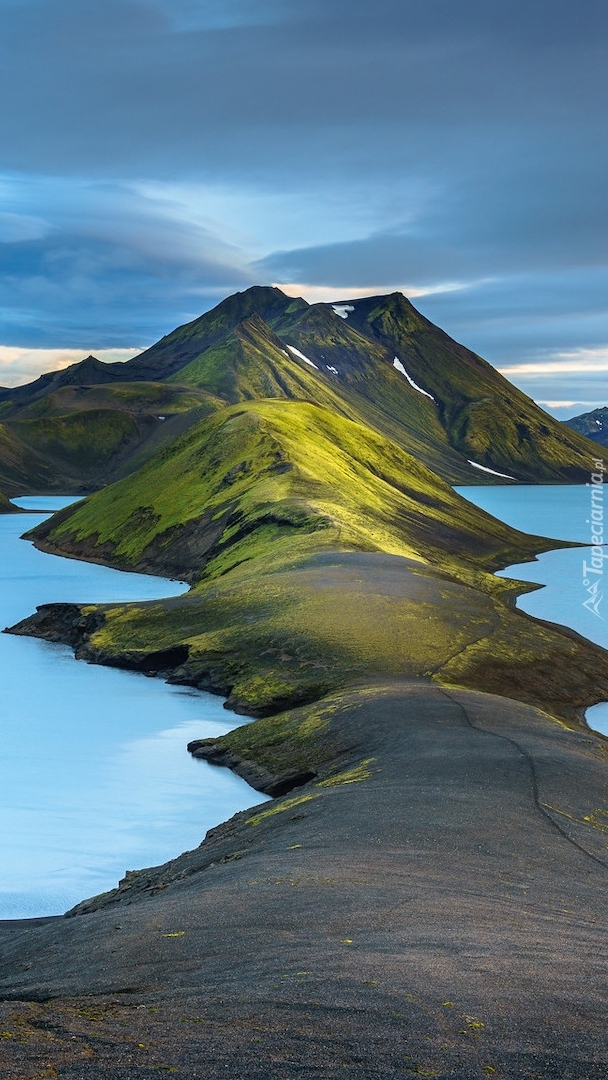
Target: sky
(158, 155)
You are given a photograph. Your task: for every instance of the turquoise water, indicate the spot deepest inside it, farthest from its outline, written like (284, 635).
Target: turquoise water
(563, 513)
(95, 778)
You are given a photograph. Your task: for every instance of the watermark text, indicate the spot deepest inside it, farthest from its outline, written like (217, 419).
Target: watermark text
(593, 571)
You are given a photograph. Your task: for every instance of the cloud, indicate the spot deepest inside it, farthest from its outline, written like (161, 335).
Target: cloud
(113, 266)
(113, 86)
(325, 294)
(19, 366)
(17, 227)
(576, 362)
(159, 154)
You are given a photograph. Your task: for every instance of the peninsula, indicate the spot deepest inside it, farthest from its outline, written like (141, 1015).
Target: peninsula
(425, 893)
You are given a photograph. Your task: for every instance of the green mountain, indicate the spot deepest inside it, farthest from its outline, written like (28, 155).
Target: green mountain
(375, 361)
(382, 363)
(593, 425)
(179, 348)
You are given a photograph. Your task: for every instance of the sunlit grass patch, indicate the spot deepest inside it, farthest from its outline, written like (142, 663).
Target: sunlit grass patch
(350, 776)
(279, 808)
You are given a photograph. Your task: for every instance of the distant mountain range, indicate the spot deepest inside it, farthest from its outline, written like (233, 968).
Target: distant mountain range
(376, 361)
(594, 425)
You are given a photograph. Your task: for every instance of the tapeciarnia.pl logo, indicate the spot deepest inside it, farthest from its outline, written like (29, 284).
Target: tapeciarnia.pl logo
(593, 571)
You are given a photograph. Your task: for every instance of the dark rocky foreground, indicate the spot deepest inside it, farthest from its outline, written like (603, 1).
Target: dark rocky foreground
(437, 909)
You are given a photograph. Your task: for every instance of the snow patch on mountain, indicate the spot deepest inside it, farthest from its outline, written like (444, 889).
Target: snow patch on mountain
(397, 364)
(342, 310)
(300, 355)
(484, 468)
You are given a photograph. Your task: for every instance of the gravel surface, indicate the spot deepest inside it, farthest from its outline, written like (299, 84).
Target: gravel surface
(440, 912)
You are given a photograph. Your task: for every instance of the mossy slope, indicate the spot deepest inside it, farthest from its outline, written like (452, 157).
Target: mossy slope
(321, 554)
(23, 469)
(485, 417)
(254, 474)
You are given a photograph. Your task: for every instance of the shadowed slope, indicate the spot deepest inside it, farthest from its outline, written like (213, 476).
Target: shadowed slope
(23, 469)
(79, 436)
(485, 417)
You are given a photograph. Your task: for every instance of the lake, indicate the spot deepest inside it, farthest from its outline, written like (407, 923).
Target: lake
(563, 513)
(95, 777)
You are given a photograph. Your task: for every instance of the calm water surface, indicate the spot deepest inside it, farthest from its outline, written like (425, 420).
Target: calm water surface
(562, 513)
(95, 778)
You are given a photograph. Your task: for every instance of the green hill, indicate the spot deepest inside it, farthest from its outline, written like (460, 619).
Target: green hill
(253, 475)
(320, 553)
(79, 437)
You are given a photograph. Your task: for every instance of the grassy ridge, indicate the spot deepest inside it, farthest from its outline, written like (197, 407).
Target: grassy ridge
(255, 473)
(321, 554)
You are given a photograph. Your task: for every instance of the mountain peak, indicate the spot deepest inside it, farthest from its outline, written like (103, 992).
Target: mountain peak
(177, 349)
